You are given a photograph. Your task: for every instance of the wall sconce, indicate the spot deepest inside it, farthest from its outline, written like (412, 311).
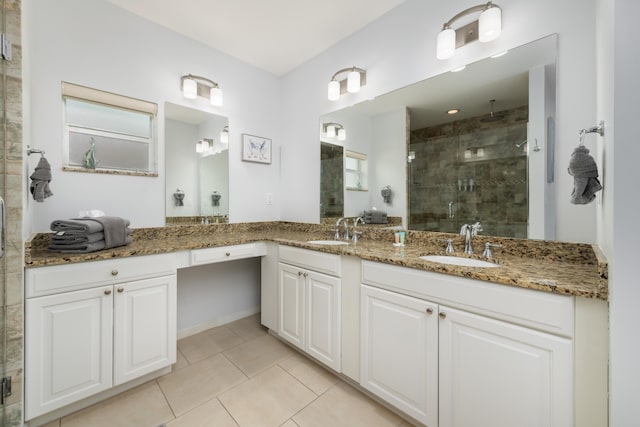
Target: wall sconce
(486, 28)
(204, 145)
(194, 86)
(333, 130)
(224, 135)
(356, 78)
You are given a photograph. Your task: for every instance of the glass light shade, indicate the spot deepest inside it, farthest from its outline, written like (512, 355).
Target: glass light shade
(490, 24)
(189, 88)
(200, 146)
(342, 134)
(353, 82)
(331, 131)
(446, 44)
(333, 91)
(224, 136)
(215, 97)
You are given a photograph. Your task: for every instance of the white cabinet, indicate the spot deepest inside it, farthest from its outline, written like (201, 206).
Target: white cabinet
(309, 307)
(81, 342)
(455, 366)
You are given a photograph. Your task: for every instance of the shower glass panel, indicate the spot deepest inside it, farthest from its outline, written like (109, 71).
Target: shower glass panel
(471, 170)
(331, 180)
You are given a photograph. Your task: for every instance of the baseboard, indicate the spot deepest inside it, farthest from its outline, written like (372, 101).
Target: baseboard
(219, 321)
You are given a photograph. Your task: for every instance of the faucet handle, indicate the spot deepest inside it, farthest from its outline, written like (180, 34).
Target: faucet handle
(487, 249)
(449, 249)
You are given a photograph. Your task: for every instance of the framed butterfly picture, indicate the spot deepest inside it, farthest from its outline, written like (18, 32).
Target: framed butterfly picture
(256, 149)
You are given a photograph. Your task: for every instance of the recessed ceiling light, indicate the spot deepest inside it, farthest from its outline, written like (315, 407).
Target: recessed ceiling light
(453, 111)
(455, 70)
(498, 55)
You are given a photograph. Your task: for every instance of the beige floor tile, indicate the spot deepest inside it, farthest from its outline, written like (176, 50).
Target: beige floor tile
(248, 328)
(194, 385)
(142, 406)
(209, 414)
(55, 423)
(258, 354)
(208, 343)
(344, 406)
(289, 423)
(405, 424)
(268, 399)
(309, 373)
(181, 361)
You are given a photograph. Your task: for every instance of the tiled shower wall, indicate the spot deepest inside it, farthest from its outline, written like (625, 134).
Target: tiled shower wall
(471, 170)
(11, 186)
(331, 181)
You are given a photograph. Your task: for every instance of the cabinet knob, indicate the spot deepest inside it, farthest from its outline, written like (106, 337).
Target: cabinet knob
(228, 253)
(114, 272)
(120, 290)
(442, 315)
(107, 291)
(305, 274)
(429, 310)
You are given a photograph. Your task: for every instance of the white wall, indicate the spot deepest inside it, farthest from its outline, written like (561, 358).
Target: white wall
(93, 43)
(399, 49)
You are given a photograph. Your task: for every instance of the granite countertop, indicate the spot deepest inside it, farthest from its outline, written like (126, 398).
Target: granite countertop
(557, 267)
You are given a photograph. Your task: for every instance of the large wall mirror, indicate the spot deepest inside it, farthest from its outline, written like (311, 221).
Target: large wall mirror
(465, 146)
(197, 166)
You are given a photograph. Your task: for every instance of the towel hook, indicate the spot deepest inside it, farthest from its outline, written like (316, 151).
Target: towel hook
(596, 129)
(31, 151)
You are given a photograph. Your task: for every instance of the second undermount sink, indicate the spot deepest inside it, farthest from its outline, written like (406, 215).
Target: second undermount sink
(328, 242)
(461, 261)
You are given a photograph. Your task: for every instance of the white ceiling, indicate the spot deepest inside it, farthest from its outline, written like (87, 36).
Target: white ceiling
(274, 35)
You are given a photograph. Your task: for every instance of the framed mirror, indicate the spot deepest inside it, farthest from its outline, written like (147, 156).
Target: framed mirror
(465, 146)
(197, 166)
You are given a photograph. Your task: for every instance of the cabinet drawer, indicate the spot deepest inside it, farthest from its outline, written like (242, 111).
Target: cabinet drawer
(535, 309)
(227, 253)
(63, 278)
(314, 260)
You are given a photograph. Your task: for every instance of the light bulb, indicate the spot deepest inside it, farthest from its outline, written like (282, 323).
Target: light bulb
(331, 131)
(490, 24)
(333, 92)
(446, 44)
(353, 81)
(189, 88)
(342, 134)
(200, 146)
(215, 96)
(224, 136)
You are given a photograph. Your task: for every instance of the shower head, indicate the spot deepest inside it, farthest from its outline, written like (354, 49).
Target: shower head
(492, 117)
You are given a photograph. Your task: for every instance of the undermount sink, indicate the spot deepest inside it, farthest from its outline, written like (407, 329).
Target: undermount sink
(461, 261)
(328, 242)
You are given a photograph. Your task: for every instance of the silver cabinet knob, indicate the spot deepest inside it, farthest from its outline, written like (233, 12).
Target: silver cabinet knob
(228, 253)
(107, 291)
(120, 290)
(442, 315)
(305, 274)
(299, 273)
(429, 310)
(114, 272)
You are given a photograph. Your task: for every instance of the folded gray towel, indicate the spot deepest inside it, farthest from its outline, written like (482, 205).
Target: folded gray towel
(72, 239)
(584, 170)
(375, 217)
(115, 230)
(79, 248)
(40, 179)
(82, 226)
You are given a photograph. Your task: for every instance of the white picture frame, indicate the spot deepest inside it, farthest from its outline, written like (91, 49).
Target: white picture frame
(256, 149)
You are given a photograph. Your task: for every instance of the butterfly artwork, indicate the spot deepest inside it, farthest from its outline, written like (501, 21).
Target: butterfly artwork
(256, 149)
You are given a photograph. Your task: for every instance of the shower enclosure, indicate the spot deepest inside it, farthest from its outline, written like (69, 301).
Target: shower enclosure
(471, 170)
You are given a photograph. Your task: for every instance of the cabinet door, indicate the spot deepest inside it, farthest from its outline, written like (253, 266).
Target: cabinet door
(144, 327)
(323, 318)
(68, 348)
(291, 292)
(399, 352)
(493, 373)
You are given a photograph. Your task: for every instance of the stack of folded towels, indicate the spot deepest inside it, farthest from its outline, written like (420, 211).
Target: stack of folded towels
(375, 217)
(81, 235)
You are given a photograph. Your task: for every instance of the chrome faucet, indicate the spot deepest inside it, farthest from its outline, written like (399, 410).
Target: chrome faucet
(345, 221)
(357, 233)
(469, 231)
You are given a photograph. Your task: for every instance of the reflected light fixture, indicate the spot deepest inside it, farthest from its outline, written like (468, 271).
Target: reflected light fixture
(194, 86)
(486, 28)
(453, 111)
(355, 79)
(334, 130)
(204, 145)
(224, 135)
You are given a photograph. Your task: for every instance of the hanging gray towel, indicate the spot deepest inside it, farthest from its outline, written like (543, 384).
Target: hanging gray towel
(584, 170)
(40, 179)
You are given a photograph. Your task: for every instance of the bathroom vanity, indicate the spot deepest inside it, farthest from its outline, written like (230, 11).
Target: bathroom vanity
(443, 345)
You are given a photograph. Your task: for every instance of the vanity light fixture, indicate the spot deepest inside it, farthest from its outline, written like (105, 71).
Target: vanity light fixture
(356, 78)
(333, 130)
(194, 86)
(224, 135)
(204, 145)
(486, 28)
(453, 111)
